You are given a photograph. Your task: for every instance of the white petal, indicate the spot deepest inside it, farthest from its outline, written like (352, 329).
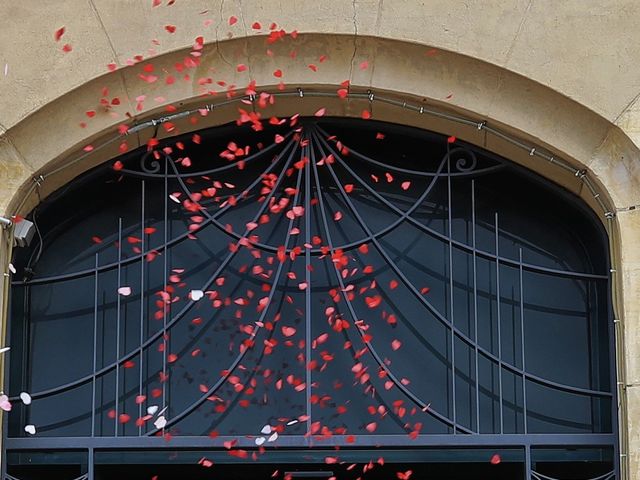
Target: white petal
(30, 429)
(160, 422)
(12, 269)
(292, 422)
(196, 295)
(4, 349)
(152, 409)
(124, 291)
(273, 437)
(260, 440)
(26, 398)
(266, 429)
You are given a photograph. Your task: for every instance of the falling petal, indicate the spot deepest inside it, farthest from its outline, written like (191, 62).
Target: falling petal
(124, 291)
(57, 35)
(5, 404)
(288, 331)
(196, 295)
(151, 410)
(160, 422)
(26, 398)
(260, 440)
(124, 418)
(30, 429)
(266, 430)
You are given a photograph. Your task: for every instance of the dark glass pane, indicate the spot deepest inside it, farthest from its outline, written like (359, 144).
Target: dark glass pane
(331, 286)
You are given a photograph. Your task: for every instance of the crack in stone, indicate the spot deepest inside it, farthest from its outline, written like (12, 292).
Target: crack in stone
(507, 57)
(115, 56)
(517, 34)
(355, 40)
(220, 20)
(626, 108)
(246, 40)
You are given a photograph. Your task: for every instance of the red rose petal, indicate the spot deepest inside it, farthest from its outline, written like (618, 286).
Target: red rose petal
(59, 33)
(124, 418)
(288, 331)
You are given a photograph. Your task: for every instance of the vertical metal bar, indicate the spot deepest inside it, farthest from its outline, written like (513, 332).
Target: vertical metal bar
(499, 324)
(527, 462)
(95, 348)
(164, 280)
(90, 465)
(475, 299)
(592, 341)
(117, 405)
(593, 334)
(25, 352)
(453, 335)
(143, 245)
(6, 337)
(522, 344)
(620, 458)
(307, 276)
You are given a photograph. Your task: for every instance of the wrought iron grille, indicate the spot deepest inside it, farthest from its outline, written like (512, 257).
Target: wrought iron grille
(325, 283)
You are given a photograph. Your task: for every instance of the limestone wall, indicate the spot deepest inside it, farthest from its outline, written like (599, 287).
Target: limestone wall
(560, 75)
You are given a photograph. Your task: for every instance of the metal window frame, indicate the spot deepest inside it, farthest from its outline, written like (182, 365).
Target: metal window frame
(322, 147)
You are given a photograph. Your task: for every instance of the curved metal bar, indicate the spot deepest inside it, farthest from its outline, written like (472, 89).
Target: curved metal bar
(412, 288)
(346, 247)
(464, 171)
(132, 259)
(223, 168)
(84, 476)
(605, 476)
(445, 238)
(467, 340)
(174, 320)
(240, 356)
(406, 391)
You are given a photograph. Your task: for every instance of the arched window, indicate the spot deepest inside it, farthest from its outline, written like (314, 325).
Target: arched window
(264, 296)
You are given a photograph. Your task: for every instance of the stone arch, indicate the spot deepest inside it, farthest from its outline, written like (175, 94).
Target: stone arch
(421, 75)
(46, 140)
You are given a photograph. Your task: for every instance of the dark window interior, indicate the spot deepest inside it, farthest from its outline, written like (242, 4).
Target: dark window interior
(429, 287)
